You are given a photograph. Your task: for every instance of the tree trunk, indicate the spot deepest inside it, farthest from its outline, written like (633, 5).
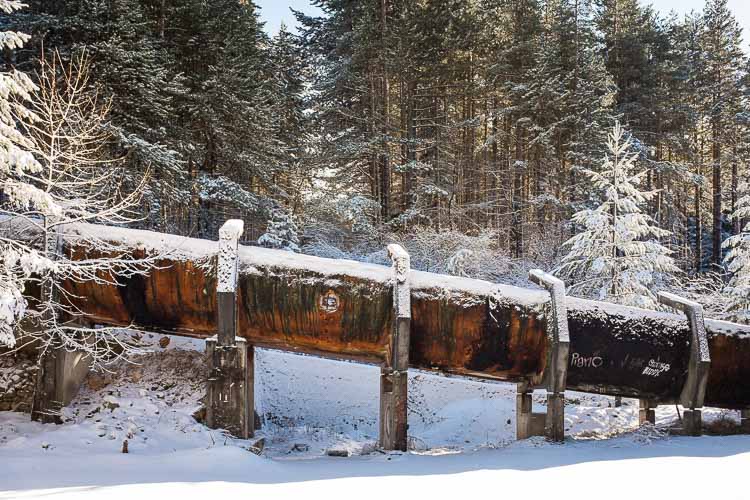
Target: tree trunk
(385, 166)
(735, 221)
(517, 169)
(716, 171)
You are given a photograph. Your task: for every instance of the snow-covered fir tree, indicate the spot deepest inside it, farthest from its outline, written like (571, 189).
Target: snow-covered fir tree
(71, 180)
(737, 260)
(617, 255)
(282, 232)
(17, 260)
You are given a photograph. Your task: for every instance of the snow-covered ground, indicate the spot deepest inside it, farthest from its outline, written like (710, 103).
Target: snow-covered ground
(462, 439)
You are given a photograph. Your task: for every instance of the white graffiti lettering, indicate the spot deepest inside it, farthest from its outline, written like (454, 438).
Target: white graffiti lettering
(655, 368)
(579, 361)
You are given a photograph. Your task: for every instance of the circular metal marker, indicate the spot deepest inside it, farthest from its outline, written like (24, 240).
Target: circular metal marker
(329, 302)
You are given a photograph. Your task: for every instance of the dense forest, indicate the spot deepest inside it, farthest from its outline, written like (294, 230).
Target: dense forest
(472, 131)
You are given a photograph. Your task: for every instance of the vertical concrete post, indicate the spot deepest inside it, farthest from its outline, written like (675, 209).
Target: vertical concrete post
(394, 372)
(694, 390)
(692, 422)
(554, 425)
(60, 375)
(523, 412)
(46, 405)
(745, 421)
(229, 398)
(556, 371)
(646, 411)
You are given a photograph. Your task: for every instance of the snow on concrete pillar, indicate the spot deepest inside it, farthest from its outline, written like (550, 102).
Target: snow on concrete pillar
(694, 390)
(229, 399)
(226, 288)
(394, 372)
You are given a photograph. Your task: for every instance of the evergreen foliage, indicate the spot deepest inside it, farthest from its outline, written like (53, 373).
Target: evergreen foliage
(617, 255)
(738, 260)
(378, 119)
(281, 232)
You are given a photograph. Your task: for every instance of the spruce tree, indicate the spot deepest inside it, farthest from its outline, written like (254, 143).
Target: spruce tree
(617, 255)
(281, 232)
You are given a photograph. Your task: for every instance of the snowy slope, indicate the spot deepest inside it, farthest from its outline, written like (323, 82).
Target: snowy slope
(461, 435)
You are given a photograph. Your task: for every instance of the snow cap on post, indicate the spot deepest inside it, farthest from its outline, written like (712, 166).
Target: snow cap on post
(401, 261)
(557, 331)
(556, 287)
(401, 267)
(229, 238)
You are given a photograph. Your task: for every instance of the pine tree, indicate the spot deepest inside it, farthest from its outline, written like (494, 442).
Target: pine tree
(737, 259)
(195, 99)
(132, 67)
(349, 101)
(724, 63)
(571, 99)
(289, 73)
(617, 255)
(224, 54)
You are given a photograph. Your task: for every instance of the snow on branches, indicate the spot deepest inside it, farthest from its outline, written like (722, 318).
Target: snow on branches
(68, 176)
(282, 232)
(617, 255)
(16, 261)
(737, 260)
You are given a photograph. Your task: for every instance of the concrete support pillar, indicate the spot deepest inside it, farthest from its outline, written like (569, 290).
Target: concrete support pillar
(554, 424)
(646, 412)
(47, 405)
(745, 421)
(48, 397)
(230, 396)
(393, 410)
(394, 372)
(694, 389)
(523, 414)
(58, 379)
(230, 387)
(692, 423)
